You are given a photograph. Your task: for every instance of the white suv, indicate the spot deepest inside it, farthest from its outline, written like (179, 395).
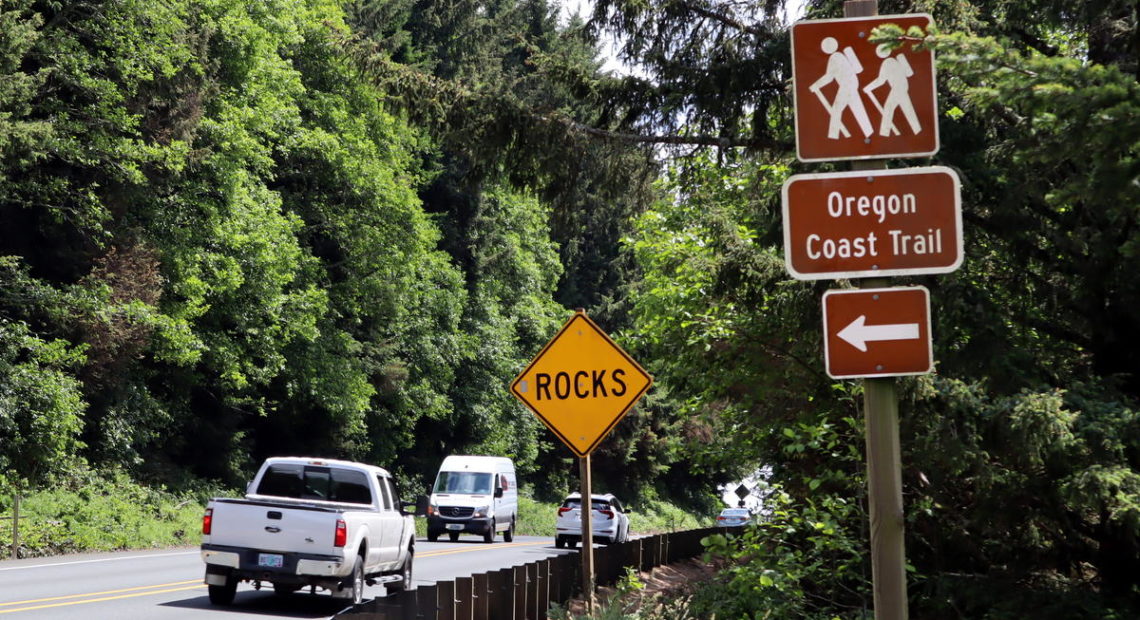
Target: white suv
(610, 520)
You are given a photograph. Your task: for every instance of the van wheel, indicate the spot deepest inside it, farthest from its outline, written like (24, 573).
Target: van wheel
(509, 535)
(224, 594)
(433, 535)
(453, 536)
(489, 535)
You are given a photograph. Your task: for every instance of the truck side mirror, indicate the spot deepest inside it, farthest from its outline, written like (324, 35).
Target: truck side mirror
(421, 506)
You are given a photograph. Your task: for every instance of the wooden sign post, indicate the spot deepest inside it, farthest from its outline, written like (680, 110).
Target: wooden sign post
(862, 102)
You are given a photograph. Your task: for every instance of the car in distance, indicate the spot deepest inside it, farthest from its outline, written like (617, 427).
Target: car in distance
(610, 520)
(734, 517)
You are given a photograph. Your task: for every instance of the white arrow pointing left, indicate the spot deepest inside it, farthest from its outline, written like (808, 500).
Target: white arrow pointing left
(858, 334)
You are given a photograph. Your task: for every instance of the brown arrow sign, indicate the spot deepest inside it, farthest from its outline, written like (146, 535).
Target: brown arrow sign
(874, 223)
(877, 332)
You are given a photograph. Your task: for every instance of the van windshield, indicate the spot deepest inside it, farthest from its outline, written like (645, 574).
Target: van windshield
(467, 482)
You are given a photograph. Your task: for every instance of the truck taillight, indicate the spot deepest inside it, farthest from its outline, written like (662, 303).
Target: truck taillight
(340, 539)
(562, 511)
(207, 521)
(608, 513)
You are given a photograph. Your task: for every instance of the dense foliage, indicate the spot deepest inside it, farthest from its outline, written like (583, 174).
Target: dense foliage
(236, 229)
(216, 249)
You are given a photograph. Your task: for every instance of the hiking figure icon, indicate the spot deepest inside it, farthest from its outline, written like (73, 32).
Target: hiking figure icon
(843, 68)
(895, 73)
(855, 99)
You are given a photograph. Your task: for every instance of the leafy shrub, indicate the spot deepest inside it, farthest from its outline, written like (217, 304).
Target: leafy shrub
(805, 561)
(104, 511)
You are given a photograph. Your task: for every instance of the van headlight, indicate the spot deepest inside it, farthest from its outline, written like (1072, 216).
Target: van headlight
(482, 511)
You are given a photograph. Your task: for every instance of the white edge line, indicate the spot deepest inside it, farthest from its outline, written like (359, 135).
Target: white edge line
(116, 559)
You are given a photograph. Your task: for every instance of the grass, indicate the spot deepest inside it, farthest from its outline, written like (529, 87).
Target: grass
(101, 512)
(109, 512)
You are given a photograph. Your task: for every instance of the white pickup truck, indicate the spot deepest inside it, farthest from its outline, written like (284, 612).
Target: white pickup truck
(310, 522)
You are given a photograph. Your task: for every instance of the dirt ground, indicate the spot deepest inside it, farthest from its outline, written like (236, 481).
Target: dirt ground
(672, 579)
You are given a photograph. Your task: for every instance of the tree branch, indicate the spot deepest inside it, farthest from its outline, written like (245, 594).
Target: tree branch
(723, 142)
(723, 19)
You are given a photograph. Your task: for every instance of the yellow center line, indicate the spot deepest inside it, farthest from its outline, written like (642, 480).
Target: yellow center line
(60, 598)
(103, 598)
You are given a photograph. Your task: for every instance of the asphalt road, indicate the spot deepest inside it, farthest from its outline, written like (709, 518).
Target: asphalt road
(168, 584)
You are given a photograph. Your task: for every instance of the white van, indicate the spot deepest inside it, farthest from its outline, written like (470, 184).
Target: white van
(474, 494)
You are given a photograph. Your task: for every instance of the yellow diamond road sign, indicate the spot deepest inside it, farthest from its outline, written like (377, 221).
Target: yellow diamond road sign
(581, 384)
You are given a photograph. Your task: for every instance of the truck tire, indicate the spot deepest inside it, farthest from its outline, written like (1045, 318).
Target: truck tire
(489, 535)
(224, 594)
(405, 582)
(356, 582)
(509, 535)
(559, 542)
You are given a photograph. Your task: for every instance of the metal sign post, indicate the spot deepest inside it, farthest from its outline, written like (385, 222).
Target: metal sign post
(581, 385)
(587, 512)
(16, 526)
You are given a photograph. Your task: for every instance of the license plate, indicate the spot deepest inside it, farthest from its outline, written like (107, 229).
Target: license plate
(454, 526)
(270, 560)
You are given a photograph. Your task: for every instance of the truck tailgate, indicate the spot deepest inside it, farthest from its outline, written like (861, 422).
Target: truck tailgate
(273, 526)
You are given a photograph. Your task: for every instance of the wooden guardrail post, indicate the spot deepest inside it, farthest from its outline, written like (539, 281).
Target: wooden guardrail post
(503, 595)
(427, 602)
(464, 601)
(572, 577)
(494, 594)
(609, 569)
(523, 590)
(543, 589)
(480, 597)
(406, 603)
(445, 600)
(633, 553)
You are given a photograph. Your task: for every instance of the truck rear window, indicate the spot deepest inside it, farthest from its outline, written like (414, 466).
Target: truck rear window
(314, 482)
